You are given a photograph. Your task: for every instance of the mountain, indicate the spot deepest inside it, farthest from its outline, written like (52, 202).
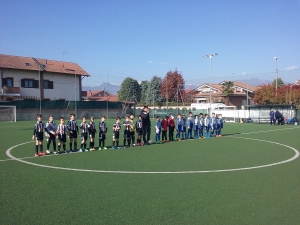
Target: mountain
(255, 81)
(111, 88)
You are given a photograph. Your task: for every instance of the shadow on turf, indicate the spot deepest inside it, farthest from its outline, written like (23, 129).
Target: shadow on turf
(224, 135)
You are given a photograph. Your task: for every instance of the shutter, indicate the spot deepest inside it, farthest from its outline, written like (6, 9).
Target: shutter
(22, 83)
(36, 84)
(4, 82)
(50, 84)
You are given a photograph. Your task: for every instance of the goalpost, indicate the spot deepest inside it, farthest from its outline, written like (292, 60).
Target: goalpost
(8, 113)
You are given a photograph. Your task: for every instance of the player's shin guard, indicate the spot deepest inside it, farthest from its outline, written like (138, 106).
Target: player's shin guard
(70, 146)
(36, 149)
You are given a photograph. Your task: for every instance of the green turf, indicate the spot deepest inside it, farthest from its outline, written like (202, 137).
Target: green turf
(270, 195)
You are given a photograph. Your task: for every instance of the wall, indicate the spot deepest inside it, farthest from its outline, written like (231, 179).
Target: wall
(30, 114)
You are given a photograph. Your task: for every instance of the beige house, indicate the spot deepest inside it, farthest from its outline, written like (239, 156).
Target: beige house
(34, 78)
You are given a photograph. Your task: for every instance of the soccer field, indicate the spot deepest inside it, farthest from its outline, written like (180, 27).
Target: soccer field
(248, 176)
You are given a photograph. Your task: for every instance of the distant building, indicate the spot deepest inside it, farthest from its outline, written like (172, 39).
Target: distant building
(34, 78)
(238, 98)
(100, 95)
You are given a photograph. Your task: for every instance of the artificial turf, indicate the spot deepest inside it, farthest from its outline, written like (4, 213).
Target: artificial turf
(270, 195)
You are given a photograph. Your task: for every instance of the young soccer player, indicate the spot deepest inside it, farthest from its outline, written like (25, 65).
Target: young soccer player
(196, 126)
(164, 127)
(127, 132)
(61, 132)
(190, 125)
(38, 135)
(73, 130)
(139, 130)
(201, 125)
(184, 125)
(178, 126)
(206, 123)
(219, 122)
(92, 132)
(171, 124)
(84, 127)
(157, 130)
(102, 133)
(116, 133)
(212, 123)
(51, 135)
(132, 129)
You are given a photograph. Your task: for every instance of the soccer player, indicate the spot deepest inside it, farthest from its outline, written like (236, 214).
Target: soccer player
(164, 126)
(127, 132)
(132, 129)
(51, 135)
(272, 117)
(201, 125)
(178, 126)
(38, 135)
(73, 130)
(84, 127)
(190, 125)
(139, 130)
(102, 133)
(184, 125)
(196, 126)
(171, 124)
(61, 132)
(206, 123)
(213, 124)
(92, 132)
(146, 124)
(157, 130)
(221, 125)
(116, 133)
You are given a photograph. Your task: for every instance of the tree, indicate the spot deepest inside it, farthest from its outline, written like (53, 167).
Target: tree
(153, 92)
(130, 90)
(265, 94)
(144, 88)
(172, 85)
(280, 82)
(227, 88)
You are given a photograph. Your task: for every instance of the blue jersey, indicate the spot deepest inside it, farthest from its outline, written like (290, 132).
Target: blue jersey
(158, 124)
(213, 122)
(201, 122)
(190, 121)
(196, 122)
(179, 124)
(272, 114)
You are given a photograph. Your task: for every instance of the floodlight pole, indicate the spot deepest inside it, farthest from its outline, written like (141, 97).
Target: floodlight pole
(75, 99)
(276, 77)
(106, 96)
(247, 92)
(210, 56)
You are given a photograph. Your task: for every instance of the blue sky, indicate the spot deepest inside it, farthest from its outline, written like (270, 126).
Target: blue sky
(144, 38)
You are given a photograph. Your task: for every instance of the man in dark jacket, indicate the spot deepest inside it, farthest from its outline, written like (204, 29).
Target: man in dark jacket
(277, 116)
(146, 124)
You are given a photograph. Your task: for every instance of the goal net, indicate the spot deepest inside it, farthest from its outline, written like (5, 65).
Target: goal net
(8, 113)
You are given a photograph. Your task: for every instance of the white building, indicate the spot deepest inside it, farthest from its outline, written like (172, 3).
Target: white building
(34, 78)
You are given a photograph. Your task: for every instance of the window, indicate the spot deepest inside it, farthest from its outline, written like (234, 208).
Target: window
(29, 83)
(8, 81)
(48, 84)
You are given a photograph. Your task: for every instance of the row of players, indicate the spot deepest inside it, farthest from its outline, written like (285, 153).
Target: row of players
(202, 128)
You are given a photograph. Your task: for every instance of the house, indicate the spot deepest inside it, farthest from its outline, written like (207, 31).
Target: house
(238, 98)
(100, 95)
(35, 78)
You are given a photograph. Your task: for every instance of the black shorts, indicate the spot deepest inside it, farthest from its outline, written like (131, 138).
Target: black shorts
(92, 135)
(39, 136)
(62, 138)
(116, 135)
(102, 136)
(139, 131)
(127, 134)
(84, 136)
(52, 137)
(73, 134)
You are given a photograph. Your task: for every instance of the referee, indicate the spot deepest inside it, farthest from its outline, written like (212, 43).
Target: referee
(146, 124)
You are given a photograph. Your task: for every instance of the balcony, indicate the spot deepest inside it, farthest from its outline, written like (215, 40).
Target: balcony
(10, 91)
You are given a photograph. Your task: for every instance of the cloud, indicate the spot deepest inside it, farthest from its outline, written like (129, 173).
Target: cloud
(292, 68)
(163, 63)
(149, 61)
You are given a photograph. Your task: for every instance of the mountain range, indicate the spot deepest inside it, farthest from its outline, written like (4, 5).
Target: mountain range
(114, 88)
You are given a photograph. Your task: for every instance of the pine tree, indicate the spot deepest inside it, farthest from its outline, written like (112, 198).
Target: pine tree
(153, 92)
(130, 90)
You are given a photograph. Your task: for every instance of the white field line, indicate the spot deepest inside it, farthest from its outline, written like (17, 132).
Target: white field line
(230, 135)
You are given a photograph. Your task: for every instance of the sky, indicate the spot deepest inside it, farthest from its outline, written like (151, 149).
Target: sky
(115, 39)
